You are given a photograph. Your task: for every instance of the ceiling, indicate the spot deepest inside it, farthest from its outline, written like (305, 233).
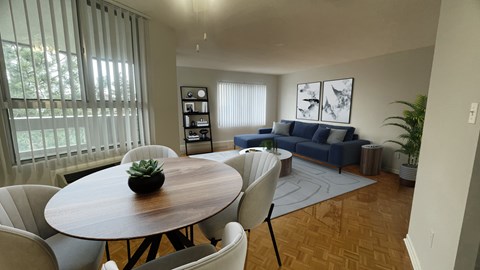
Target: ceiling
(285, 36)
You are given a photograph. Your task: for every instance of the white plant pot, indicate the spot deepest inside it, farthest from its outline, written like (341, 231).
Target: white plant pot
(408, 175)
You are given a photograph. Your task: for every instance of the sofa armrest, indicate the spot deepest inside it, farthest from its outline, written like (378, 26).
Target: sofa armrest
(264, 130)
(346, 153)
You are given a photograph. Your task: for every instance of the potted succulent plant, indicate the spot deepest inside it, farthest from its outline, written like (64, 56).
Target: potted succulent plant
(146, 176)
(412, 124)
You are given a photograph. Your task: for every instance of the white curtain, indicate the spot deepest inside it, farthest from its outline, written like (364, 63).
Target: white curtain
(72, 83)
(241, 104)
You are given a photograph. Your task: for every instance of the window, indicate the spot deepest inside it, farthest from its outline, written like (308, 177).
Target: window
(66, 92)
(241, 105)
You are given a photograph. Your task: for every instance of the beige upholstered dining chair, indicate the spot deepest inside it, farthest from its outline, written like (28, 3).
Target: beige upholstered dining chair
(260, 172)
(232, 256)
(148, 152)
(28, 242)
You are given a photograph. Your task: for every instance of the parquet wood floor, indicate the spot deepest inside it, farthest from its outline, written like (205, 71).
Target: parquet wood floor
(363, 229)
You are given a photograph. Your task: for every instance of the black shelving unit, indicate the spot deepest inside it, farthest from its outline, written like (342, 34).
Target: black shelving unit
(196, 116)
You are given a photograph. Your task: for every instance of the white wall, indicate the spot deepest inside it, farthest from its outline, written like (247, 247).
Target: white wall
(162, 85)
(446, 199)
(377, 82)
(208, 77)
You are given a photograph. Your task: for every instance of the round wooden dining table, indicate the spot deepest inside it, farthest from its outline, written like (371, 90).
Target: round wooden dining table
(101, 206)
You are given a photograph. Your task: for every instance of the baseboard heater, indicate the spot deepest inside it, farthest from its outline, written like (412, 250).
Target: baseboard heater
(69, 175)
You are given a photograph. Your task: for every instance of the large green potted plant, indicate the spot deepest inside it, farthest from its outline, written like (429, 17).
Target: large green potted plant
(410, 140)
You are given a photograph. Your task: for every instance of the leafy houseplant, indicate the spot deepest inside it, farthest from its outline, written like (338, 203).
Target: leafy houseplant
(145, 176)
(411, 122)
(268, 144)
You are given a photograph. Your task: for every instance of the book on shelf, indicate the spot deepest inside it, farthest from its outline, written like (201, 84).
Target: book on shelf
(204, 107)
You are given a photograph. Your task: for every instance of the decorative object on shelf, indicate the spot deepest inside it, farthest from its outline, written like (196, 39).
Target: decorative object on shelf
(189, 94)
(412, 123)
(187, 121)
(202, 123)
(308, 100)
(193, 124)
(204, 107)
(337, 100)
(204, 133)
(201, 93)
(145, 176)
(193, 136)
(189, 107)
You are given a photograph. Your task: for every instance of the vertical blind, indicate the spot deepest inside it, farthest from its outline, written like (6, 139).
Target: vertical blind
(72, 79)
(241, 104)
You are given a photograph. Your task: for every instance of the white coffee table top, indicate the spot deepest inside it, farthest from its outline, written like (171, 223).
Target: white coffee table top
(281, 153)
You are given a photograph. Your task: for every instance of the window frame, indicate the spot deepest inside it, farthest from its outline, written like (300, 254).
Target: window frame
(87, 97)
(220, 107)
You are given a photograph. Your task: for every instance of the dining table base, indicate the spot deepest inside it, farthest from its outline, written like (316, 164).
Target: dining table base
(176, 238)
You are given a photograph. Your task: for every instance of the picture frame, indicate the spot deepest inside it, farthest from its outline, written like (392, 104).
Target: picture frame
(337, 100)
(308, 100)
(189, 107)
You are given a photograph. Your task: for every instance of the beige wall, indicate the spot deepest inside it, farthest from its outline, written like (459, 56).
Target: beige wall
(377, 82)
(209, 78)
(446, 199)
(162, 85)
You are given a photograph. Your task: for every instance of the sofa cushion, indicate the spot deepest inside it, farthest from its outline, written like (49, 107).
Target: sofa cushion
(350, 131)
(292, 124)
(251, 140)
(281, 128)
(313, 150)
(289, 143)
(336, 135)
(321, 135)
(304, 130)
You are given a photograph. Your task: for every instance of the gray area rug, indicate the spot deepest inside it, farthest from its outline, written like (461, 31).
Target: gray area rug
(309, 183)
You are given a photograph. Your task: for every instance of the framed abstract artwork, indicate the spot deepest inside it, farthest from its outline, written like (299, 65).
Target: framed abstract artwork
(308, 100)
(337, 100)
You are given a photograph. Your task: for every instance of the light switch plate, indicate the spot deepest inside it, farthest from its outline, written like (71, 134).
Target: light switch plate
(472, 116)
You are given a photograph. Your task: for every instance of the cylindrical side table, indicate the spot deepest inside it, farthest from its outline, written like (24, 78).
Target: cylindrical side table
(371, 159)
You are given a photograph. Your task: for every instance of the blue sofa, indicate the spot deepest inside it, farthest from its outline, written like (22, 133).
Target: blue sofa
(302, 139)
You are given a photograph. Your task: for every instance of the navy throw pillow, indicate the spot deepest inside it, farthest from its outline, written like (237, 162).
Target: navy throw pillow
(321, 135)
(304, 130)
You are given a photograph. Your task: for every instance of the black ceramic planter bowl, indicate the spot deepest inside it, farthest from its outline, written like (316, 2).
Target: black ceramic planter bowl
(147, 184)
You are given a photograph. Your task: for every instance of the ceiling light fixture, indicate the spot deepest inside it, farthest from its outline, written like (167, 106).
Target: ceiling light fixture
(200, 6)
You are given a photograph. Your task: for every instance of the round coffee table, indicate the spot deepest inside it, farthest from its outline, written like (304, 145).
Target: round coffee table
(284, 156)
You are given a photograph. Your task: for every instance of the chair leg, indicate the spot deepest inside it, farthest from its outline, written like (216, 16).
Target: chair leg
(191, 234)
(272, 235)
(107, 251)
(214, 242)
(129, 254)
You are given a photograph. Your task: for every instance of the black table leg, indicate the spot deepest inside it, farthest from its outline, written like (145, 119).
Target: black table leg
(139, 252)
(152, 253)
(178, 240)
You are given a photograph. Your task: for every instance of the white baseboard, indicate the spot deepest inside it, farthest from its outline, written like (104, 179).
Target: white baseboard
(412, 253)
(392, 170)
